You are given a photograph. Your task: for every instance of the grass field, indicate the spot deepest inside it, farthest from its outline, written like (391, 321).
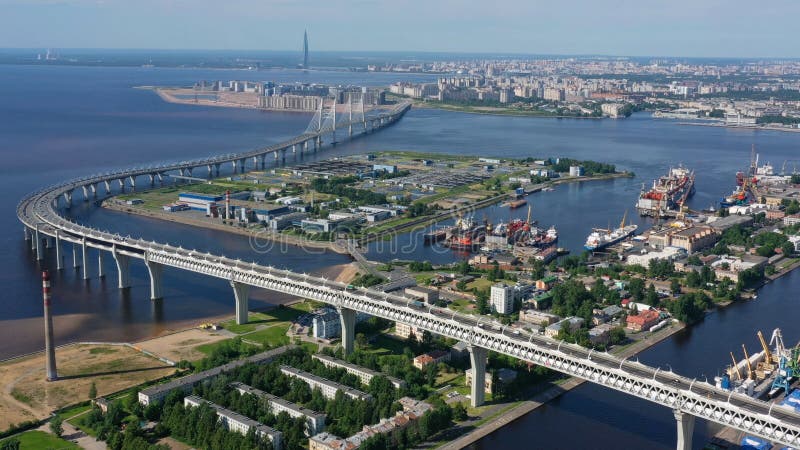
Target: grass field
(270, 337)
(271, 318)
(39, 440)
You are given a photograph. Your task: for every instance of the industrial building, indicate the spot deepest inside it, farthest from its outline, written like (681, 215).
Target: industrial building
(315, 422)
(238, 423)
(328, 387)
(364, 374)
(428, 295)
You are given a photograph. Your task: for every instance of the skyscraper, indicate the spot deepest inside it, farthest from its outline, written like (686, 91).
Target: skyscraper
(305, 49)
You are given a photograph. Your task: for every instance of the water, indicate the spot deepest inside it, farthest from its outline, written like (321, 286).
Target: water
(63, 122)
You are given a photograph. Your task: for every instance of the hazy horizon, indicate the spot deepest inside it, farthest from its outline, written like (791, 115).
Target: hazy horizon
(682, 28)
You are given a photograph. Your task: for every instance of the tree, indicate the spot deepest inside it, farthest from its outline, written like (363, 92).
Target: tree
(675, 287)
(460, 412)
(56, 426)
(10, 444)
(92, 391)
(651, 297)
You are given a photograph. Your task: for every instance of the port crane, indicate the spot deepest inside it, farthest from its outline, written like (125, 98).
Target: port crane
(788, 364)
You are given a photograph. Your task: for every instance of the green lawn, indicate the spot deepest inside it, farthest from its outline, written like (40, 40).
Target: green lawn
(74, 411)
(271, 317)
(462, 305)
(206, 349)
(271, 337)
(39, 440)
(385, 345)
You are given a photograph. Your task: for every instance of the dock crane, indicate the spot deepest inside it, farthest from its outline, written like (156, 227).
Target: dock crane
(765, 368)
(736, 368)
(788, 365)
(749, 366)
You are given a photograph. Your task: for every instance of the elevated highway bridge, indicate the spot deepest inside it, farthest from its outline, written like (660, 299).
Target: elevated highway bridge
(45, 226)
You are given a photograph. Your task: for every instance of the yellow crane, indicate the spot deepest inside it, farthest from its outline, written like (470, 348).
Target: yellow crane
(768, 359)
(749, 366)
(736, 368)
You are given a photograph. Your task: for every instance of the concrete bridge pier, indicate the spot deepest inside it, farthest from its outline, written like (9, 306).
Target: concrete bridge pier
(85, 193)
(318, 143)
(59, 256)
(39, 247)
(26, 232)
(156, 271)
(241, 292)
(152, 179)
(132, 179)
(68, 198)
(305, 146)
(93, 189)
(75, 263)
(108, 186)
(263, 158)
(123, 269)
(255, 162)
(235, 164)
(477, 358)
(182, 171)
(294, 148)
(160, 178)
(276, 155)
(283, 155)
(350, 129)
(348, 319)
(216, 170)
(121, 182)
(685, 429)
(100, 273)
(210, 170)
(84, 261)
(48, 242)
(242, 163)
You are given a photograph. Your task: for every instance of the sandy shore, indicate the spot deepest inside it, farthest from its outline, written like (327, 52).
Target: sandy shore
(27, 396)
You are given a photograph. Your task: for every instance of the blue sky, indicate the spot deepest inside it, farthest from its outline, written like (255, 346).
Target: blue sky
(623, 27)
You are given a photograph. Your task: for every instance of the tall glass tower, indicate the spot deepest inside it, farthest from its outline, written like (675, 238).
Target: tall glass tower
(305, 49)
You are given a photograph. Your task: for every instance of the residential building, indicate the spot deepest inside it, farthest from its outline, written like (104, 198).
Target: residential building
(364, 374)
(537, 317)
(434, 357)
(504, 376)
(236, 422)
(328, 387)
(572, 324)
(601, 334)
(315, 422)
(792, 219)
(327, 324)
(643, 321)
(405, 331)
(158, 392)
(501, 298)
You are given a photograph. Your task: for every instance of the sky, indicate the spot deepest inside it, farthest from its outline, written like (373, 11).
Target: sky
(689, 28)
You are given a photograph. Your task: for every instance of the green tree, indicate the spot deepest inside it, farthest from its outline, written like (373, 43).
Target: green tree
(10, 444)
(56, 425)
(675, 286)
(92, 391)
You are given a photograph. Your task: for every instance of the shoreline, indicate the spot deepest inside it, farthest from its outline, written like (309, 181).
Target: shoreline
(741, 127)
(499, 112)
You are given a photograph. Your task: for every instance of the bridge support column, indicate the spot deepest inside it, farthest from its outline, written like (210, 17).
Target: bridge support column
(68, 198)
(318, 143)
(210, 170)
(477, 358)
(305, 146)
(160, 178)
(39, 248)
(241, 292)
(155, 270)
(685, 429)
(242, 163)
(216, 170)
(75, 263)
(121, 184)
(294, 148)
(59, 256)
(108, 186)
(100, 273)
(93, 188)
(348, 319)
(123, 269)
(84, 262)
(263, 161)
(85, 193)
(26, 232)
(133, 181)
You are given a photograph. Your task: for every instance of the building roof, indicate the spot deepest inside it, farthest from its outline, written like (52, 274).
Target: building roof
(277, 400)
(341, 363)
(236, 417)
(194, 378)
(324, 381)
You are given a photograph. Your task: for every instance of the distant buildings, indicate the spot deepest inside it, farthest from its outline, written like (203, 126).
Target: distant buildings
(236, 422)
(434, 357)
(643, 321)
(363, 374)
(328, 387)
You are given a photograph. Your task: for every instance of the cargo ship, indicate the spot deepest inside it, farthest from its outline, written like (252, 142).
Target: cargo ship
(517, 203)
(667, 194)
(465, 234)
(436, 235)
(601, 238)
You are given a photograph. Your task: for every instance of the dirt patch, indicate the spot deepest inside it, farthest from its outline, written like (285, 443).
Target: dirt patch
(181, 345)
(27, 396)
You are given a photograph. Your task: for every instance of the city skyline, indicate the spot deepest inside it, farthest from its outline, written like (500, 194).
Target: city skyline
(683, 28)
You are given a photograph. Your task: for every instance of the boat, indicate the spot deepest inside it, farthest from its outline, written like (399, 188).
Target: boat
(465, 234)
(517, 203)
(435, 235)
(668, 193)
(601, 238)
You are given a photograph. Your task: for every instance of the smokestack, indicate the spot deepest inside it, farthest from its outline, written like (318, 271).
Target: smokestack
(227, 205)
(49, 349)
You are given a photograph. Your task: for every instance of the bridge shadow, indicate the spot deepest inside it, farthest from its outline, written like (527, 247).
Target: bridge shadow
(110, 372)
